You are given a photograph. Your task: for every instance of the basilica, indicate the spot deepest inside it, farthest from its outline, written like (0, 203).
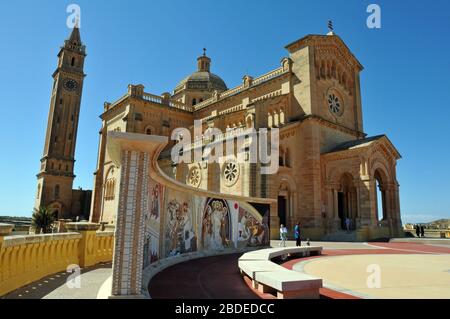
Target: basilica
(331, 176)
(329, 171)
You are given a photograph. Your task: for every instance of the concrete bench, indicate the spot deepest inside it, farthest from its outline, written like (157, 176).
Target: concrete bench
(267, 276)
(252, 267)
(289, 284)
(271, 253)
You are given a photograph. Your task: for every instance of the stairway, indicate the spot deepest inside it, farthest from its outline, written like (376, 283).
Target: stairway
(341, 236)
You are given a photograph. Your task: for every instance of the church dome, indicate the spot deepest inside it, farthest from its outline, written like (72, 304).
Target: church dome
(203, 79)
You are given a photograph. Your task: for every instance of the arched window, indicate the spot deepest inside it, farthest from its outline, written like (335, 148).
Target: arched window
(282, 120)
(276, 121)
(269, 120)
(72, 63)
(194, 101)
(57, 191)
(110, 189)
(38, 191)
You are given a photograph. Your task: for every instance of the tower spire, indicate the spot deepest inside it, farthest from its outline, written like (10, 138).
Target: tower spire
(74, 41)
(75, 37)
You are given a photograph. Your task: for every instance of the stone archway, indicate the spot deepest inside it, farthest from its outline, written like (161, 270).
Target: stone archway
(347, 201)
(342, 199)
(57, 210)
(383, 191)
(286, 201)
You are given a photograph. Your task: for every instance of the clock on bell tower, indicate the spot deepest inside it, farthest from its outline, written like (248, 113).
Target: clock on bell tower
(56, 175)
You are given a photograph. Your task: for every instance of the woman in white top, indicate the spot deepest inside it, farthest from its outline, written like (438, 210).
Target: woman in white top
(283, 235)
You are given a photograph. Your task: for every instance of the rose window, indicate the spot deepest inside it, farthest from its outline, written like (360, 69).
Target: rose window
(334, 103)
(231, 173)
(194, 177)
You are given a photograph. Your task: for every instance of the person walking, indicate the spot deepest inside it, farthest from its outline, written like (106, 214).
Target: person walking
(422, 231)
(347, 224)
(283, 235)
(298, 239)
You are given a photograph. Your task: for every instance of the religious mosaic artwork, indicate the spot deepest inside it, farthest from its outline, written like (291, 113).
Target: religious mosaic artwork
(152, 222)
(251, 231)
(216, 225)
(151, 248)
(180, 236)
(155, 201)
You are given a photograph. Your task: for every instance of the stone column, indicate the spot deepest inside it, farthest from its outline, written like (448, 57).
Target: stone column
(367, 201)
(128, 257)
(331, 203)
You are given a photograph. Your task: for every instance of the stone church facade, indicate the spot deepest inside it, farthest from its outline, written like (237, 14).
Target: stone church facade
(56, 175)
(330, 170)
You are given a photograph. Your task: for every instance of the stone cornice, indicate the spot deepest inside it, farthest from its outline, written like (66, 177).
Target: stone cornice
(332, 125)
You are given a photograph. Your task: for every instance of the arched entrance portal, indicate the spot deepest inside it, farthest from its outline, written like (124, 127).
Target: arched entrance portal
(284, 204)
(347, 201)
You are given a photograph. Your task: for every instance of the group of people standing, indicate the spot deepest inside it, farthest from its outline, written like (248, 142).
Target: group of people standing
(284, 232)
(420, 230)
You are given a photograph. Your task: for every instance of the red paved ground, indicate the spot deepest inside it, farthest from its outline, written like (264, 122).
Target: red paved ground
(219, 278)
(212, 277)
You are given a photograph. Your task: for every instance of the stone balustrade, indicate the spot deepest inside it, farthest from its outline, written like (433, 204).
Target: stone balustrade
(160, 100)
(25, 259)
(257, 81)
(268, 76)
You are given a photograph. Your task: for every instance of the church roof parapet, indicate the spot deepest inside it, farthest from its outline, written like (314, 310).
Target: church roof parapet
(153, 98)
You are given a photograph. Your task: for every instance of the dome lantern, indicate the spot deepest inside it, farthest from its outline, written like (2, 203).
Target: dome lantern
(203, 62)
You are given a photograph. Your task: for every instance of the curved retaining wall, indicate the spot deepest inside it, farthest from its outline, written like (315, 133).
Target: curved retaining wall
(160, 220)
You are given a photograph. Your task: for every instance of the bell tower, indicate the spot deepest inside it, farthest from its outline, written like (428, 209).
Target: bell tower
(56, 175)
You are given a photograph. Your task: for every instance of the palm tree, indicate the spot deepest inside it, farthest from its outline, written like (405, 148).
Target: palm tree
(43, 219)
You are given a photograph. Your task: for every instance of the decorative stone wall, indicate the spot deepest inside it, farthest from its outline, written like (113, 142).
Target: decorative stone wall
(160, 218)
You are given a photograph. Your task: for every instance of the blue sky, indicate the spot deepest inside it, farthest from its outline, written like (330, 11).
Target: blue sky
(405, 84)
